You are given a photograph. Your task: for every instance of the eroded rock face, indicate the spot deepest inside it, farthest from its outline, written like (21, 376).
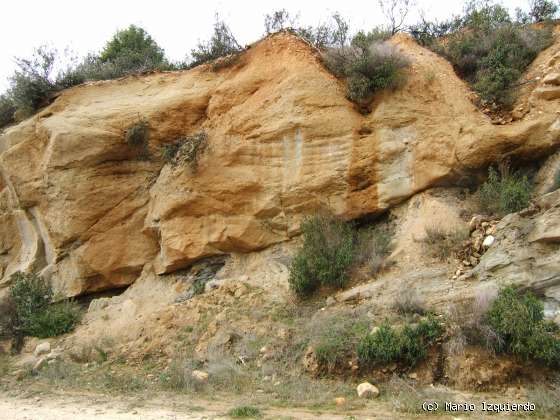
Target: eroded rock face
(79, 205)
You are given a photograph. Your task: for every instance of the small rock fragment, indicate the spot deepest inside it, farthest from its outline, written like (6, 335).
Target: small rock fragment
(367, 390)
(200, 376)
(488, 241)
(42, 348)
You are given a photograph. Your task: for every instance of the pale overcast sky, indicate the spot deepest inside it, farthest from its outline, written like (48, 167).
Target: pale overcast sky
(175, 25)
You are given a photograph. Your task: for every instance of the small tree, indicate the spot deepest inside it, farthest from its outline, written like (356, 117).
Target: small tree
(395, 11)
(133, 49)
(31, 85)
(221, 44)
(278, 20)
(542, 10)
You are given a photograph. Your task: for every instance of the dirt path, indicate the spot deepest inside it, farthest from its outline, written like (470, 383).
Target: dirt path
(84, 407)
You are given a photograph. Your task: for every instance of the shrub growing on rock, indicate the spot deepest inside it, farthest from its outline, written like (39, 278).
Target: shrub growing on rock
(137, 136)
(408, 345)
(186, 150)
(505, 192)
(519, 320)
(325, 258)
(368, 66)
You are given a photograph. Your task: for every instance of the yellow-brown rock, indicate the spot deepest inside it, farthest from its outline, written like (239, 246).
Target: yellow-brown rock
(283, 142)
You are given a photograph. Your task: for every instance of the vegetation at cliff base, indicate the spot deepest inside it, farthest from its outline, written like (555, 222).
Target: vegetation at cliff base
(518, 318)
(30, 310)
(407, 345)
(326, 255)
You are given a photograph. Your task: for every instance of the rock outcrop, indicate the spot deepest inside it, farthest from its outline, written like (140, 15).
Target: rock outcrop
(78, 204)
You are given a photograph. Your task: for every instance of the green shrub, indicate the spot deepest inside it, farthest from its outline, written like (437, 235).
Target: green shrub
(35, 314)
(368, 66)
(221, 44)
(505, 192)
(133, 49)
(245, 411)
(519, 320)
(408, 345)
(326, 255)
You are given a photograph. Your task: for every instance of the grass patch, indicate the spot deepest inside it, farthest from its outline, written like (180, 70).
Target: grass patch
(372, 248)
(245, 411)
(546, 400)
(186, 150)
(409, 302)
(335, 340)
(443, 244)
(406, 398)
(5, 364)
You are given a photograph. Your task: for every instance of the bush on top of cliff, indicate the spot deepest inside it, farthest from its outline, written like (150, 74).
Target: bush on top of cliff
(487, 47)
(333, 33)
(222, 43)
(34, 312)
(369, 65)
(365, 61)
(518, 318)
(34, 83)
(134, 44)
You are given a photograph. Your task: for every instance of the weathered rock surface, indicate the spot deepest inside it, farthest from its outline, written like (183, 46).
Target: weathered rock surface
(77, 204)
